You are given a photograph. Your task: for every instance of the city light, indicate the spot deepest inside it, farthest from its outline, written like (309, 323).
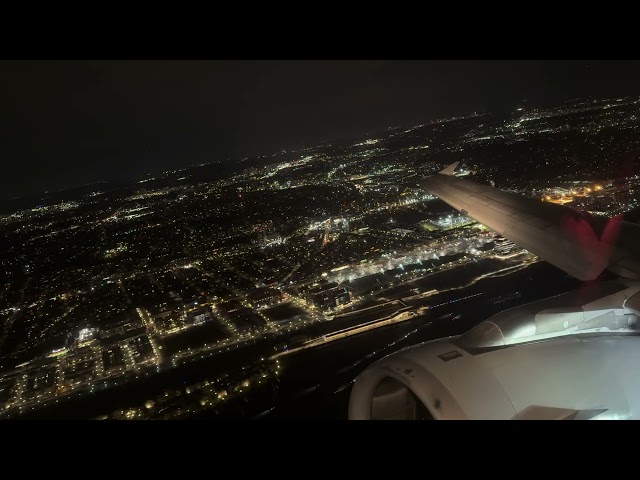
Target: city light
(278, 254)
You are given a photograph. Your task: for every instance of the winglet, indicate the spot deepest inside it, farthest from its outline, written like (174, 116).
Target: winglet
(450, 169)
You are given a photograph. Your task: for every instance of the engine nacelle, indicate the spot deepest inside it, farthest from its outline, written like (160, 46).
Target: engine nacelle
(409, 385)
(565, 357)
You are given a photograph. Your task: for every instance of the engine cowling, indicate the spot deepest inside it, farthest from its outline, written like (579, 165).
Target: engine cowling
(569, 356)
(408, 386)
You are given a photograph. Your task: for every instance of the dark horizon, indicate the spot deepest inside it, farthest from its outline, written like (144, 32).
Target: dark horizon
(276, 293)
(71, 123)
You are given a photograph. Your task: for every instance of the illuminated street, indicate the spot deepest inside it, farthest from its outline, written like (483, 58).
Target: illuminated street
(173, 236)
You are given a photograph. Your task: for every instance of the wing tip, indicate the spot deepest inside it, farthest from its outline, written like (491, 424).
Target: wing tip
(450, 169)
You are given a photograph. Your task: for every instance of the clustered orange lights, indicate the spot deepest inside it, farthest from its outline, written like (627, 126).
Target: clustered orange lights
(562, 199)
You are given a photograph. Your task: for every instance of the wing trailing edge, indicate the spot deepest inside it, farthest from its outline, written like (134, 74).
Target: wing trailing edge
(558, 234)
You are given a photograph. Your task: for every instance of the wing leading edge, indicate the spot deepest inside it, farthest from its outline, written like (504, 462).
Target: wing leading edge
(558, 234)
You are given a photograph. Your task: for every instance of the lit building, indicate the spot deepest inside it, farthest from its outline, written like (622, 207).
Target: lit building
(329, 295)
(265, 297)
(198, 316)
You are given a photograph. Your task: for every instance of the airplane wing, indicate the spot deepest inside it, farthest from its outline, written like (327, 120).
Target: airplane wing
(560, 235)
(510, 365)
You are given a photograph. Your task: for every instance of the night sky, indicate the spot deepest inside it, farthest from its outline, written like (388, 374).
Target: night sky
(67, 123)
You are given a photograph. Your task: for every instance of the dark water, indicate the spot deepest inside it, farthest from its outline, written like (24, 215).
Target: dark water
(315, 383)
